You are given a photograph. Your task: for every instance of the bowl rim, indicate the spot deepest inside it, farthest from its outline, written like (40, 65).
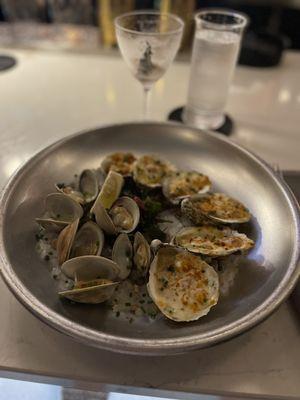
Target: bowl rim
(165, 346)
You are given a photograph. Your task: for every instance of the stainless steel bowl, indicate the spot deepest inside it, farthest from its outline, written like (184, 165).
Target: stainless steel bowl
(264, 281)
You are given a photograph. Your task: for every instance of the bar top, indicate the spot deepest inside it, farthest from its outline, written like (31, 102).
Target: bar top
(49, 95)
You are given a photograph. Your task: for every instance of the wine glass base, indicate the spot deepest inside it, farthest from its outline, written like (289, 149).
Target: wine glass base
(226, 128)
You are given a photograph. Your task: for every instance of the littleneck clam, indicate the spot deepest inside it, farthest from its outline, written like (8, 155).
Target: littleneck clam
(65, 241)
(104, 220)
(89, 240)
(212, 240)
(181, 184)
(215, 207)
(88, 185)
(182, 285)
(90, 292)
(90, 267)
(60, 211)
(110, 190)
(118, 162)
(150, 171)
(142, 254)
(125, 255)
(70, 191)
(122, 255)
(94, 279)
(123, 216)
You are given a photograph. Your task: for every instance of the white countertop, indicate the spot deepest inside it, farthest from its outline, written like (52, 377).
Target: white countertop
(49, 95)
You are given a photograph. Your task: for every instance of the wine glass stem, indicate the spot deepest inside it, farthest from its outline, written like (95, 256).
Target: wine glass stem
(146, 102)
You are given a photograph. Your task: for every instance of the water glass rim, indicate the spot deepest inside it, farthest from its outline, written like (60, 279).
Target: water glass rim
(241, 24)
(149, 12)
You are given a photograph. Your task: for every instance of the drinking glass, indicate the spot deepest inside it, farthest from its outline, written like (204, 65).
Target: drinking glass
(148, 41)
(215, 51)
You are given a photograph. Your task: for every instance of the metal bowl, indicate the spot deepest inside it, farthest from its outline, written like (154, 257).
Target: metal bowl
(264, 280)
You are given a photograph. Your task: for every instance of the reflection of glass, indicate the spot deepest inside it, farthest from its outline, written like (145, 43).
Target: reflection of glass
(148, 41)
(108, 10)
(71, 11)
(215, 51)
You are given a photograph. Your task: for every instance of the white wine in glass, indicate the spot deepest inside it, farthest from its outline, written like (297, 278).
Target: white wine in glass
(148, 41)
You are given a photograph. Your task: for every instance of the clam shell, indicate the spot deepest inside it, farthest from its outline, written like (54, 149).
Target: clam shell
(110, 191)
(65, 240)
(215, 207)
(89, 240)
(86, 268)
(212, 241)
(182, 285)
(88, 185)
(150, 170)
(69, 191)
(131, 209)
(91, 294)
(122, 255)
(51, 225)
(60, 211)
(181, 184)
(103, 219)
(142, 253)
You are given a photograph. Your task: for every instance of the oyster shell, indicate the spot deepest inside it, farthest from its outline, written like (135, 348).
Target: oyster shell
(60, 211)
(119, 162)
(150, 171)
(181, 184)
(215, 207)
(170, 222)
(212, 240)
(89, 240)
(182, 285)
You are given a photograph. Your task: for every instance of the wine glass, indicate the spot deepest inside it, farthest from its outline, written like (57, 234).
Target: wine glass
(148, 41)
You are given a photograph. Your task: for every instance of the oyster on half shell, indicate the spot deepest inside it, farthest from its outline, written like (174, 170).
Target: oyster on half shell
(150, 171)
(181, 184)
(182, 285)
(215, 207)
(212, 240)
